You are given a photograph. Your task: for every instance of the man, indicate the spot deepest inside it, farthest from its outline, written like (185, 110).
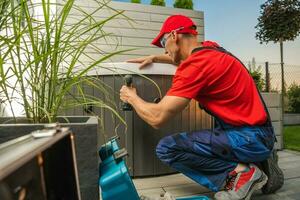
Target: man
(243, 134)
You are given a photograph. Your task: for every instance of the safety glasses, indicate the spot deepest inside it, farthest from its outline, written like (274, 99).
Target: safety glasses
(164, 39)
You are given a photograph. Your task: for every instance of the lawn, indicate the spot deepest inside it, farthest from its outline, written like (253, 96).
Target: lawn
(292, 137)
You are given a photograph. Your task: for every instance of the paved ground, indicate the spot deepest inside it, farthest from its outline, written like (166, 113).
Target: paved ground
(180, 186)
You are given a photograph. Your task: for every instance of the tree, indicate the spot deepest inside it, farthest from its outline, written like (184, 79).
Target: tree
(135, 1)
(279, 22)
(293, 95)
(187, 4)
(158, 2)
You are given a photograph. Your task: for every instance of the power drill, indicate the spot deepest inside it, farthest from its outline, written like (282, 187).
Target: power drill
(128, 82)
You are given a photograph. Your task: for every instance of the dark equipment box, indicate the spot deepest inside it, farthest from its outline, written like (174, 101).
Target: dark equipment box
(39, 168)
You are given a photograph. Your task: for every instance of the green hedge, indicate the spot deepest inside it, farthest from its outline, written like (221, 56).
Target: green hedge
(158, 2)
(293, 95)
(186, 4)
(135, 1)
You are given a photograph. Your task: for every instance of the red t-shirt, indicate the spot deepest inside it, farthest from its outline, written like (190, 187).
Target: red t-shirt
(221, 84)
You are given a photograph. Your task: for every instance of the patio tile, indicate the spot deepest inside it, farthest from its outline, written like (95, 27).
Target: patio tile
(153, 193)
(186, 190)
(181, 186)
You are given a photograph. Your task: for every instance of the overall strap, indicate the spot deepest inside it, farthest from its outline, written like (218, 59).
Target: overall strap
(221, 49)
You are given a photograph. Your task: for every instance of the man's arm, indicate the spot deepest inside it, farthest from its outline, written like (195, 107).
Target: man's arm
(163, 58)
(154, 114)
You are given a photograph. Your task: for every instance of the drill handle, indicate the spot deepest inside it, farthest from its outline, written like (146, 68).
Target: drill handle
(128, 82)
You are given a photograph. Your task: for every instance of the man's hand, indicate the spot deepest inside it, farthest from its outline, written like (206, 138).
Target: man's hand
(154, 114)
(145, 61)
(127, 93)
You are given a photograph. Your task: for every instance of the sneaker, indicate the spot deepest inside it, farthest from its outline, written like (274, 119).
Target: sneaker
(274, 173)
(242, 185)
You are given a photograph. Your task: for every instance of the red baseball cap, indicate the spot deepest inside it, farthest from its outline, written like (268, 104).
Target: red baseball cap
(185, 24)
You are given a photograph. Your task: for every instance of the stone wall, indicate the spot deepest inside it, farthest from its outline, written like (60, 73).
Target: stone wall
(273, 102)
(135, 28)
(291, 119)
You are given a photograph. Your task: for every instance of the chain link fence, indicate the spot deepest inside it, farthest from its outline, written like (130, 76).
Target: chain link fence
(271, 78)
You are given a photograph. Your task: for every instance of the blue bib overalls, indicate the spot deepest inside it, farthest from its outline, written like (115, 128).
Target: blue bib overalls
(207, 156)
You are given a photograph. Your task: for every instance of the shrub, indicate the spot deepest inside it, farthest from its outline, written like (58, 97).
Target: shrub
(293, 95)
(257, 77)
(135, 1)
(158, 2)
(186, 4)
(256, 74)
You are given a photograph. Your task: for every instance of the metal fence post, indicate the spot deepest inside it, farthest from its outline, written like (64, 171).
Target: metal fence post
(267, 77)
(282, 77)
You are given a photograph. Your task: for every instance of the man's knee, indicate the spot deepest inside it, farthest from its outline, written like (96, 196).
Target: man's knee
(165, 149)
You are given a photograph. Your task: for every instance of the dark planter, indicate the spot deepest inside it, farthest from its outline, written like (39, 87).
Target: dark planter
(87, 143)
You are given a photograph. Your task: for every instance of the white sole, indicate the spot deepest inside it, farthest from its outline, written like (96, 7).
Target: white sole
(257, 186)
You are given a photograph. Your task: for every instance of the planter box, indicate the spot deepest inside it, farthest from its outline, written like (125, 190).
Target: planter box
(87, 143)
(21, 161)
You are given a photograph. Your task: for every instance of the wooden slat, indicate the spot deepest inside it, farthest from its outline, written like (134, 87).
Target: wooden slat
(108, 116)
(185, 118)
(126, 41)
(99, 94)
(114, 48)
(169, 127)
(142, 138)
(192, 115)
(161, 133)
(68, 97)
(89, 92)
(78, 110)
(128, 20)
(129, 32)
(109, 13)
(154, 17)
(116, 41)
(199, 117)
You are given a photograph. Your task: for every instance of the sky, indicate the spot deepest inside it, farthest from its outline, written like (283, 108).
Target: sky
(231, 23)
